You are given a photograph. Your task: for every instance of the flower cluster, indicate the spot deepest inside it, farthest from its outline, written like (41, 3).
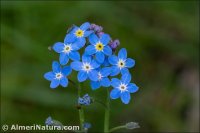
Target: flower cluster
(99, 62)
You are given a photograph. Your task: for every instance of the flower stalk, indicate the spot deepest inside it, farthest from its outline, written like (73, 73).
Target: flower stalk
(81, 112)
(107, 113)
(117, 128)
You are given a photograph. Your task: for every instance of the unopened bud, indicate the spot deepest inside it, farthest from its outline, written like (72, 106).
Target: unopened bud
(132, 125)
(49, 48)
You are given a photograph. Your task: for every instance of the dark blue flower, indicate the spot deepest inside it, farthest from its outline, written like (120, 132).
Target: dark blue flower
(85, 100)
(58, 75)
(120, 62)
(86, 68)
(67, 50)
(123, 88)
(103, 79)
(99, 47)
(49, 121)
(86, 125)
(80, 33)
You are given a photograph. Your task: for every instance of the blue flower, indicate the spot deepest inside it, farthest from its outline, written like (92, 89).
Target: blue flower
(123, 88)
(67, 50)
(120, 63)
(99, 47)
(86, 125)
(86, 68)
(85, 100)
(58, 75)
(79, 33)
(49, 121)
(103, 79)
(106, 62)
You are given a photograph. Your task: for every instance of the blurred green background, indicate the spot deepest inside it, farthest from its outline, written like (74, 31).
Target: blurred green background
(161, 36)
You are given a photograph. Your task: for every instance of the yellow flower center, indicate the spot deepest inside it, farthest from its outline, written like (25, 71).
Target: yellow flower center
(79, 33)
(99, 46)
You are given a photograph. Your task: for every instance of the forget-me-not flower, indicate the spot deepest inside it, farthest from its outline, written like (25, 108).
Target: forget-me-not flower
(86, 68)
(58, 75)
(85, 100)
(123, 88)
(99, 47)
(49, 121)
(67, 50)
(87, 125)
(79, 33)
(120, 62)
(103, 79)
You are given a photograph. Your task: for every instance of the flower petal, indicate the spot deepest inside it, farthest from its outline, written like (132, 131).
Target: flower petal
(132, 87)
(56, 66)
(76, 65)
(95, 64)
(122, 54)
(66, 70)
(124, 70)
(63, 58)
(95, 85)
(105, 38)
(80, 42)
(82, 76)
(87, 33)
(58, 47)
(93, 75)
(100, 57)
(105, 82)
(115, 71)
(107, 50)
(130, 63)
(93, 39)
(75, 47)
(115, 93)
(126, 78)
(113, 59)
(69, 38)
(64, 82)
(49, 76)
(74, 29)
(115, 82)
(74, 55)
(105, 71)
(90, 50)
(106, 62)
(54, 83)
(125, 97)
(86, 58)
(85, 26)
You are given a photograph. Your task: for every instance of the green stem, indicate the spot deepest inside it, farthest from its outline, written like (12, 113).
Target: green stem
(107, 114)
(81, 112)
(117, 128)
(100, 102)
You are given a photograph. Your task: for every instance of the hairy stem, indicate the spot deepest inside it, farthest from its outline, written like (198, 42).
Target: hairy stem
(117, 128)
(107, 114)
(81, 112)
(100, 102)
